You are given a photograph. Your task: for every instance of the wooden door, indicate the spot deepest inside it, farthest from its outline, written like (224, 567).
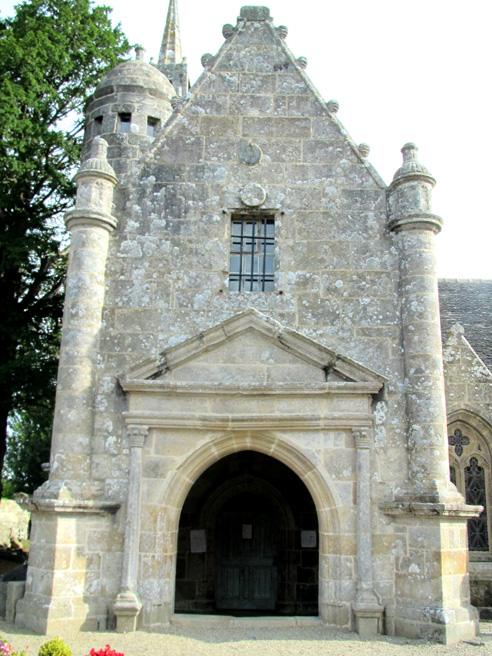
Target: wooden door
(246, 575)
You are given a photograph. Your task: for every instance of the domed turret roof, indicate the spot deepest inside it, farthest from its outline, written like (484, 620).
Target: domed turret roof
(411, 166)
(137, 72)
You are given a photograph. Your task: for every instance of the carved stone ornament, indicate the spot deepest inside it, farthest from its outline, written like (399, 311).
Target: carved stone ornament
(333, 106)
(282, 31)
(176, 103)
(361, 438)
(227, 30)
(137, 435)
(364, 150)
(458, 440)
(302, 62)
(250, 153)
(252, 195)
(207, 60)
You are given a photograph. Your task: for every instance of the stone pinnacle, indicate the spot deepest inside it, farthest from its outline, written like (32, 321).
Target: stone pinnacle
(170, 52)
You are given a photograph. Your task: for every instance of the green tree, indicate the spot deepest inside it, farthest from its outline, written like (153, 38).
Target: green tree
(52, 55)
(28, 445)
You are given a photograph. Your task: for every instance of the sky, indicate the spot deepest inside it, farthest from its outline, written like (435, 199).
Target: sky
(402, 71)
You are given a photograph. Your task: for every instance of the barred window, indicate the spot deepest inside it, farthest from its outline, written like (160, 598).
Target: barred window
(252, 263)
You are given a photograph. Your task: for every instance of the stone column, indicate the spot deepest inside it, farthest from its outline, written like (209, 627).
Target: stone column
(90, 225)
(367, 609)
(431, 579)
(127, 605)
(416, 226)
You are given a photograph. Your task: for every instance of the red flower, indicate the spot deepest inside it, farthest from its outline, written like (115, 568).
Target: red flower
(107, 651)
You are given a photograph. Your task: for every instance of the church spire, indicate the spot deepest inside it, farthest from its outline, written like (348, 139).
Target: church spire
(170, 52)
(171, 61)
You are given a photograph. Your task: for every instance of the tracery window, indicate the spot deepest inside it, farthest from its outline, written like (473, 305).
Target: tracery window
(475, 494)
(252, 263)
(470, 471)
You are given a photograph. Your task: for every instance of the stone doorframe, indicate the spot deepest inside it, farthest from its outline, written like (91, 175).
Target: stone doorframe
(315, 478)
(272, 418)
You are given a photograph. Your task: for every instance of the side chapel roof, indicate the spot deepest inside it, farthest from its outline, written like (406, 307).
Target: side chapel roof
(469, 303)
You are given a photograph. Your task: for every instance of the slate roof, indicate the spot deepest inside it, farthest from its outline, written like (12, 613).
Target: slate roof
(469, 303)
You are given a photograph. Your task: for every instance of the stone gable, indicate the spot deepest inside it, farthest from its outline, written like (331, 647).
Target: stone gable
(469, 303)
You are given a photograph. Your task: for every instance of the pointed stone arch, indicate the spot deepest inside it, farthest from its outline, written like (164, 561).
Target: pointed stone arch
(470, 415)
(312, 473)
(470, 439)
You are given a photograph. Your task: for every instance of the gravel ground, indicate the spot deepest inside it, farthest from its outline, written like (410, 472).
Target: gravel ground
(241, 641)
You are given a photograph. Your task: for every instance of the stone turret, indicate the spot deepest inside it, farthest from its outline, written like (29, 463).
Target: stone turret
(411, 217)
(128, 109)
(90, 224)
(171, 61)
(428, 498)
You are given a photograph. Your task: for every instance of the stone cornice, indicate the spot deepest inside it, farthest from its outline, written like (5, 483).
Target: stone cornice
(164, 387)
(74, 506)
(248, 422)
(419, 509)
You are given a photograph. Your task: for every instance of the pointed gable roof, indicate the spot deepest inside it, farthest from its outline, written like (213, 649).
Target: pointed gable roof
(469, 303)
(252, 74)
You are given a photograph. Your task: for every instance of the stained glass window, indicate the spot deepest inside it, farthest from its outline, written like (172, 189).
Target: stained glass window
(475, 492)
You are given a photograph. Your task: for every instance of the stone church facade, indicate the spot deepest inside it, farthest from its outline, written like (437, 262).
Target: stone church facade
(250, 415)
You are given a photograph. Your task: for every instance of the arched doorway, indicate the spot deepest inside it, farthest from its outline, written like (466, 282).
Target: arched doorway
(248, 541)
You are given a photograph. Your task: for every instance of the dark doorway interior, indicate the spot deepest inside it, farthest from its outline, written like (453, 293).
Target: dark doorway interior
(248, 541)
(246, 561)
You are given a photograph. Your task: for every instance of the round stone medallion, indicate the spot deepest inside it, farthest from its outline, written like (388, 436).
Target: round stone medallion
(250, 153)
(252, 195)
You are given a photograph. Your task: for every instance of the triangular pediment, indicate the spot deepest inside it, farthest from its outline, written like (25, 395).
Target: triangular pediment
(250, 349)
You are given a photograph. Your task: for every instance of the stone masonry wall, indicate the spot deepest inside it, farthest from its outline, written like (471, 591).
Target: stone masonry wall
(336, 266)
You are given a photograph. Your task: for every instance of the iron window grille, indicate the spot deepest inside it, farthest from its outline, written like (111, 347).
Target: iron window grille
(252, 264)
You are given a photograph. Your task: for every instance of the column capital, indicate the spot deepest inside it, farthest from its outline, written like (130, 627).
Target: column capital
(362, 439)
(136, 435)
